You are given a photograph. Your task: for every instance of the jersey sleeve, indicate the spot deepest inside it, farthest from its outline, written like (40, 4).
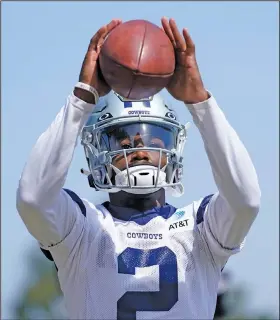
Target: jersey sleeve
(48, 212)
(225, 217)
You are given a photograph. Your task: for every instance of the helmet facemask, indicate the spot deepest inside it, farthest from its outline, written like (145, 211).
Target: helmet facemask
(113, 139)
(118, 129)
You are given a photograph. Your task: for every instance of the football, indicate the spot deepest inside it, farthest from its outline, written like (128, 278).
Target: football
(137, 59)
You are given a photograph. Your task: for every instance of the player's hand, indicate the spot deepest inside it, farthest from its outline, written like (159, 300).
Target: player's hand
(186, 84)
(90, 71)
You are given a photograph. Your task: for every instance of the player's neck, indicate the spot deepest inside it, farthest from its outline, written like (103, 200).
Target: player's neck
(140, 202)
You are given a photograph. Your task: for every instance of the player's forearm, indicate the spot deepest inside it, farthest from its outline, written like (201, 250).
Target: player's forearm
(233, 170)
(45, 172)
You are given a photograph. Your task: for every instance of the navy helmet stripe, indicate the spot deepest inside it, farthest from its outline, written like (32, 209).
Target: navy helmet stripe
(147, 103)
(128, 104)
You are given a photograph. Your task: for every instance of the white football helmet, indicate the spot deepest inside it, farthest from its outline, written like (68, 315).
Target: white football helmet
(110, 132)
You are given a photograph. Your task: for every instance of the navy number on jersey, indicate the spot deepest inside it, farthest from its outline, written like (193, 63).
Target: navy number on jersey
(162, 300)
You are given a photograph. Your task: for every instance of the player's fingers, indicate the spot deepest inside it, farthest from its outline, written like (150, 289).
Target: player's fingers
(99, 45)
(180, 42)
(188, 40)
(113, 24)
(109, 27)
(168, 31)
(102, 33)
(95, 38)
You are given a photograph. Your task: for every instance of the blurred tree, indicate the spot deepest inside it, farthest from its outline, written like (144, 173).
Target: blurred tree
(42, 298)
(232, 302)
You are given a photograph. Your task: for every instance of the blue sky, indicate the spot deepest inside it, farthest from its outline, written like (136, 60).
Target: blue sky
(43, 44)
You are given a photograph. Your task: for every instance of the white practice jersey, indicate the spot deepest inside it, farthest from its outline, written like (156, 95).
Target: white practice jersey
(156, 265)
(117, 264)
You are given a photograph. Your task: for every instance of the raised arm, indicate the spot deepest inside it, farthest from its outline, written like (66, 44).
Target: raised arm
(230, 212)
(47, 210)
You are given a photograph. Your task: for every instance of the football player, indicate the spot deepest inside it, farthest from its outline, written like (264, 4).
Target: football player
(135, 256)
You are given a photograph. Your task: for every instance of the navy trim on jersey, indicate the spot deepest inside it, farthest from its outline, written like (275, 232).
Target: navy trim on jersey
(82, 207)
(78, 200)
(47, 254)
(140, 218)
(201, 209)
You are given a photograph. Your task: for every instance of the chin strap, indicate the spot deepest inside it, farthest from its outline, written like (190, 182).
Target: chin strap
(141, 176)
(176, 191)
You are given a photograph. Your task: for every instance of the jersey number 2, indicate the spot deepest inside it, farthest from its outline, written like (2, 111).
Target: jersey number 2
(162, 300)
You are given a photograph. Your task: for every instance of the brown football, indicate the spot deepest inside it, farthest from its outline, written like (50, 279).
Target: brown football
(137, 59)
